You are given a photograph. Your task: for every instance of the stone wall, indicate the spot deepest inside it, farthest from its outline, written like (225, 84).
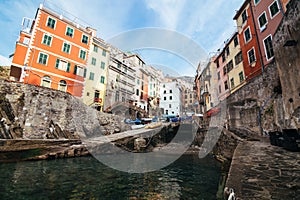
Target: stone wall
(257, 106)
(33, 112)
(287, 50)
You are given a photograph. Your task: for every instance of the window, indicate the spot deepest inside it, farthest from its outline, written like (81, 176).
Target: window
(137, 92)
(82, 54)
(256, 1)
(232, 82)
(94, 61)
(117, 97)
(226, 85)
(138, 81)
(269, 47)
(236, 41)
(79, 71)
(220, 89)
(91, 76)
(251, 56)
(95, 48)
(244, 16)
(103, 66)
(66, 48)
(170, 106)
(62, 65)
(229, 66)
(165, 98)
(238, 58)
(191, 95)
(171, 97)
(262, 20)
(51, 23)
(102, 79)
(165, 91)
(274, 9)
(241, 75)
(227, 51)
(223, 58)
(84, 72)
(247, 35)
(62, 86)
(47, 40)
(46, 82)
(70, 31)
(218, 65)
(219, 76)
(84, 39)
(43, 58)
(185, 96)
(103, 53)
(170, 91)
(224, 70)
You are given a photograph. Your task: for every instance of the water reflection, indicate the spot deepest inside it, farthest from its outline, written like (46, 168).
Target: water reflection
(86, 178)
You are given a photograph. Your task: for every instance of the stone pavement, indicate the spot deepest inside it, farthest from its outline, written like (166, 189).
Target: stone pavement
(261, 171)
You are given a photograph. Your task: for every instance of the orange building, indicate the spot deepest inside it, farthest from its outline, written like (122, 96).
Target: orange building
(251, 52)
(52, 52)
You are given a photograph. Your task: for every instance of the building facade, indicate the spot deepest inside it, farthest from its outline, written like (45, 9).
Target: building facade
(235, 68)
(171, 98)
(96, 74)
(52, 52)
(267, 15)
(251, 51)
(222, 77)
(120, 80)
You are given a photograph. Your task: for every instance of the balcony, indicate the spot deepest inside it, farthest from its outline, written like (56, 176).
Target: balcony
(204, 93)
(27, 25)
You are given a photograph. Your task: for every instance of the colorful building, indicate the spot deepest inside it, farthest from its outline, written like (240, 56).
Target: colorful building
(251, 52)
(52, 52)
(267, 15)
(235, 68)
(223, 85)
(96, 74)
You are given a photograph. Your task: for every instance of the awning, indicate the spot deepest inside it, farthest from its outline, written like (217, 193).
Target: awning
(213, 111)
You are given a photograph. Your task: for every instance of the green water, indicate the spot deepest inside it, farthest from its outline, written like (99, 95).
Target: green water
(86, 178)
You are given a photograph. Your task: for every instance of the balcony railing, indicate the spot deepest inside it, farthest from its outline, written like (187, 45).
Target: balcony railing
(97, 100)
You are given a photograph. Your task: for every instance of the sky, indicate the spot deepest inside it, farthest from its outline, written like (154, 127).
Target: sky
(206, 23)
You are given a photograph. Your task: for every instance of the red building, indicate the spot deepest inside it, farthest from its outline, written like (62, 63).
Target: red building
(257, 21)
(252, 58)
(267, 16)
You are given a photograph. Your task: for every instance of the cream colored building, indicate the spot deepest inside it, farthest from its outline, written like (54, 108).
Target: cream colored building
(96, 74)
(235, 68)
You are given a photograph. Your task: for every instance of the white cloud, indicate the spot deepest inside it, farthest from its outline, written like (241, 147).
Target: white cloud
(4, 61)
(169, 11)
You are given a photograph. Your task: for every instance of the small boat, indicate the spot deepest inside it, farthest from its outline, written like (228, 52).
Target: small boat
(153, 125)
(137, 126)
(146, 120)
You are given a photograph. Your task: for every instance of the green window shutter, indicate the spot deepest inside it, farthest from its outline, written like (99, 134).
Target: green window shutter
(57, 63)
(84, 73)
(68, 67)
(75, 69)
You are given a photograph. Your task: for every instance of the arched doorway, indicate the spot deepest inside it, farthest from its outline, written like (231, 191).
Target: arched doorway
(62, 86)
(46, 82)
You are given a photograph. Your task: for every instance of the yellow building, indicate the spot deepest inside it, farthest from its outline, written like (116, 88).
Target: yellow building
(96, 74)
(235, 68)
